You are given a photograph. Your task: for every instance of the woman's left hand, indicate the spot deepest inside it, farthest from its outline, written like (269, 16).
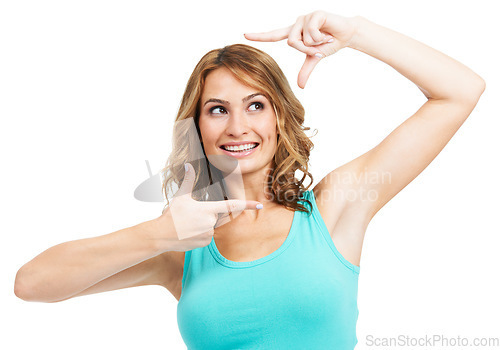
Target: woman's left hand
(311, 34)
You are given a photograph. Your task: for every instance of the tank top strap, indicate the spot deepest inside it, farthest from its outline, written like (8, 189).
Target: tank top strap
(317, 227)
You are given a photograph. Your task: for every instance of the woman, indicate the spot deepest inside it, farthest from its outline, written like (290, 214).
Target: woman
(285, 275)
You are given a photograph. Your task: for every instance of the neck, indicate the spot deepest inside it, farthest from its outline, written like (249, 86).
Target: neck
(249, 186)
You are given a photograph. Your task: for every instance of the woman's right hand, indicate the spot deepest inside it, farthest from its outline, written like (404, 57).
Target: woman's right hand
(188, 224)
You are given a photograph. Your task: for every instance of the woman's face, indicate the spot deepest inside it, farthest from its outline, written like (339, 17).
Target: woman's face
(236, 117)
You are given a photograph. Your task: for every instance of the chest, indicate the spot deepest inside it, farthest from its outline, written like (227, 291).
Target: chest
(304, 297)
(239, 240)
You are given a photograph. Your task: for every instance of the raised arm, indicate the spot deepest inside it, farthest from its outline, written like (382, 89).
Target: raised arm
(452, 91)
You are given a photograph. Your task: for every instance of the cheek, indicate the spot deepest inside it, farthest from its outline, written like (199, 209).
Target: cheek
(271, 130)
(270, 135)
(207, 132)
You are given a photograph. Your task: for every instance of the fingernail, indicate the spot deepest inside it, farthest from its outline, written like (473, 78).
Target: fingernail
(186, 168)
(318, 55)
(260, 206)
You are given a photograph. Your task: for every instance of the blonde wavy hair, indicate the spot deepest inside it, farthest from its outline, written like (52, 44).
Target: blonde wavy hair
(256, 69)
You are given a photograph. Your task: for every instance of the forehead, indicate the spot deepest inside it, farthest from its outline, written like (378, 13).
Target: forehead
(223, 82)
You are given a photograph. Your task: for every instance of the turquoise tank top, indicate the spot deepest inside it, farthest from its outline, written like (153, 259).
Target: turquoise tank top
(301, 296)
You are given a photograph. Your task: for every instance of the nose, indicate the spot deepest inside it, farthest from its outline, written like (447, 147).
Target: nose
(237, 125)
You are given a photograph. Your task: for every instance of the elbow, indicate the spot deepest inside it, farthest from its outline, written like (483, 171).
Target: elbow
(21, 288)
(478, 90)
(24, 287)
(481, 85)
(471, 96)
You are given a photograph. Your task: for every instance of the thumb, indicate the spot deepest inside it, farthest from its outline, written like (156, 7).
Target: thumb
(188, 181)
(232, 205)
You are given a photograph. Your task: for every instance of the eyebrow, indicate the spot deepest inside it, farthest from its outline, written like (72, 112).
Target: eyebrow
(227, 102)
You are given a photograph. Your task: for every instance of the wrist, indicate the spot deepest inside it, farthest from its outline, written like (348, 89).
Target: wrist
(359, 23)
(149, 233)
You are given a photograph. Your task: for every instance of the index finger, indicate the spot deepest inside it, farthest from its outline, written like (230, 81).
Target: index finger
(306, 70)
(273, 35)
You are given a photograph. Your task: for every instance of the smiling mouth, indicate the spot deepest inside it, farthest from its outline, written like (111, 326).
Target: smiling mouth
(237, 149)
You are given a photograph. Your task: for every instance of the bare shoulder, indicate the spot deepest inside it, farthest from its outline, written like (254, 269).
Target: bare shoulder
(172, 269)
(339, 196)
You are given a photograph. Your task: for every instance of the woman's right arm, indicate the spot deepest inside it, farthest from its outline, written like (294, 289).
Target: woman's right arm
(65, 270)
(69, 269)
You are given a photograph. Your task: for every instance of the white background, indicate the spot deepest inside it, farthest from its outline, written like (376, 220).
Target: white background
(90, 90)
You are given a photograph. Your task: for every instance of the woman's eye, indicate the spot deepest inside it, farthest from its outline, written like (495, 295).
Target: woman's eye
(215, 108)
(261, 106)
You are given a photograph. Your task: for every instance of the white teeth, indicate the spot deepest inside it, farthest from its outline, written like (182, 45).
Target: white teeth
(240, 147)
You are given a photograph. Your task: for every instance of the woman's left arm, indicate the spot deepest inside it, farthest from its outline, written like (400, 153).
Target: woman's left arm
(452, 90)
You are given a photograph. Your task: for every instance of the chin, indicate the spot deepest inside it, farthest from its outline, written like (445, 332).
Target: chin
(234, 166)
